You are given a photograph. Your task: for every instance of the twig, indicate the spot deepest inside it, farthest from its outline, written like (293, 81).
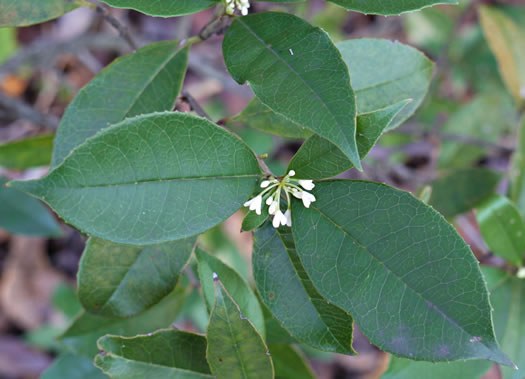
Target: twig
(19, 109)
(46, 52)
(123, 30)
(194, 105)
(455, 138)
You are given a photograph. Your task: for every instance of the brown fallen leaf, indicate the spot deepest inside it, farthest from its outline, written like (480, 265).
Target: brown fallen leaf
(27, 283)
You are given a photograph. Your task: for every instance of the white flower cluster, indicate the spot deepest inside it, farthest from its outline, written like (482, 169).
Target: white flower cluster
(271, 195)
(241, 5)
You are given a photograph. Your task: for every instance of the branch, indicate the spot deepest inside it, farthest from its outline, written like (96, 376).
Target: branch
(194, 105)
(19, 109)
(122, 29)
(46, 52)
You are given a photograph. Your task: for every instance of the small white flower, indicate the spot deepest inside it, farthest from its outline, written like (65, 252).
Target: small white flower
(297, 194)
(242, 5)
(265, 183)
(273, 207)
(255, 204)
(269, 201)
(288, 215)
(307, 198)
(307, 184)
(291, 173)
(279, 219)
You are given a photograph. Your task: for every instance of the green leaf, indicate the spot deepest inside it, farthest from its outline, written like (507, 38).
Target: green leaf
(517, 171)
(164, 8)
(295, 69)
(317, 158)
(8, 43)
(407, 77)
(235, 349)
(164, 354)
(252, 220)
(72, 366)
(146, 81)
(506, 39)
(236, 286)
(485, 118)
(287, 291)
(289, 363)
(387, 8)
(21, 214)
(81, 337)
(461, 190)
(121, 281)
(502, 228)
(258, 116)
(400, 368)
(26, 153)
(508, 300)
(28, 12)
(411, 283)
(151, 179)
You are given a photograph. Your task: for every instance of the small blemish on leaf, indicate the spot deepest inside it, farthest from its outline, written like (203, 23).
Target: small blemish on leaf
(271, 295)
(475, 339)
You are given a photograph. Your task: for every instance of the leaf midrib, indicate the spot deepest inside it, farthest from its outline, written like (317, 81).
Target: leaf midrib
(147, 181)
(341, 129)
(365, 248)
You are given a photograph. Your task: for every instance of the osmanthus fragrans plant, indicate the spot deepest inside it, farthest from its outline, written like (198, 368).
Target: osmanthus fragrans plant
(143, 182)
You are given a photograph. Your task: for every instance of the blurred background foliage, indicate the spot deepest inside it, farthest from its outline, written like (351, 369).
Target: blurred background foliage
(460, 142)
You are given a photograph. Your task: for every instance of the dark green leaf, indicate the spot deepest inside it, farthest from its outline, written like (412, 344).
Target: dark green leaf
(461, 190)
(236, 286)
(26, 153)
(508, 300)
(295, 69)
(387, 8)
(258, 116)
(502, 228)
(164, 354)
(143, 82)
(163, 8)
(506, 39)
(408, 279)
(121, 281)
(81, 337)
(28, 12)
(318, 158)
(73, 366)
(21, 214)
(400, 368)
(151, 179)
(287, 291)
(407, 77)
(289, 363)
(235, 349)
